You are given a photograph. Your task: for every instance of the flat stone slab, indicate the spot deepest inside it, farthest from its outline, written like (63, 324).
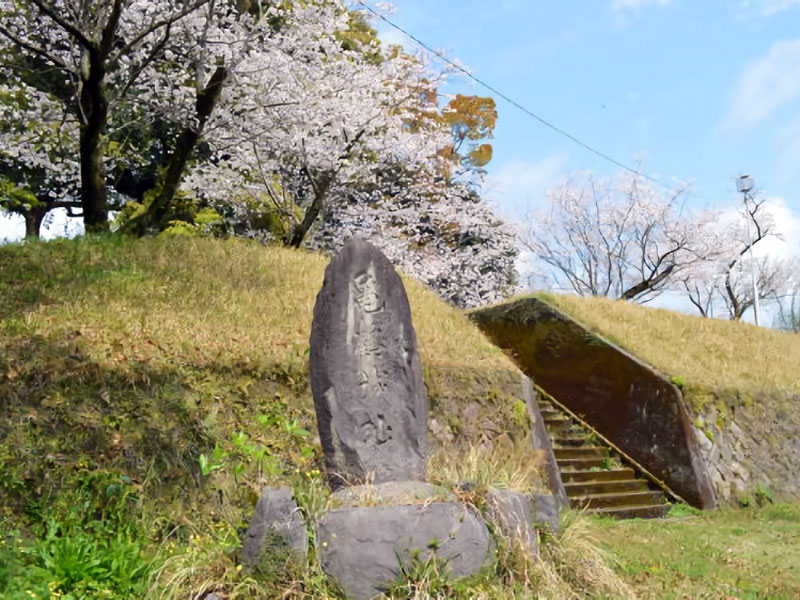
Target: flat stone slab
(546, 512)
(276, 527)
(511, 513)
(363, 548)
(366, 379)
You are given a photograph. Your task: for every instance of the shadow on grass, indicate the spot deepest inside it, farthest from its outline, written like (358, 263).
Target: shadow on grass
(61, 411)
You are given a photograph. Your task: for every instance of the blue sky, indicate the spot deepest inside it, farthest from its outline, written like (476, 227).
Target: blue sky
(697, 90)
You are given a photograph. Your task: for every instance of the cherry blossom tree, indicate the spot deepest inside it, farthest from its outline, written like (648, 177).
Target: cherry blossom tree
(87, 55)
(281, 117)
(36, 135)
(724, 284)
(337, 144)
(621, 238)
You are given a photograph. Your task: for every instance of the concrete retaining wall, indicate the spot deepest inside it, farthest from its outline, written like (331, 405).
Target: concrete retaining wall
(627, 401)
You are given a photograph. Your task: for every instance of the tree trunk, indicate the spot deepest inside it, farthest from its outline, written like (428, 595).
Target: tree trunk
(736, 308)
(300, 230)
(158, 210)
(647, 284)
(93, 107)
(33, 221)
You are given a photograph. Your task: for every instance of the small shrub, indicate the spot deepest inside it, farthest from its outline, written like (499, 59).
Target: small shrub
(683, 510)
(678, 381)
(87, 544)
(763, 495)
(424, 578)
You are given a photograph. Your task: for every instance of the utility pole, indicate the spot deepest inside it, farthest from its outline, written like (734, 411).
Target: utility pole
(745, 185)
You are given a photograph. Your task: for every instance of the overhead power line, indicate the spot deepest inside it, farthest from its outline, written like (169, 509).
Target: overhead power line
(516, 104)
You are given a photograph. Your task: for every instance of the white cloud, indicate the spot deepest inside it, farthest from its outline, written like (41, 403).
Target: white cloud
(785, 244)
(787, 226)
(767, 8)
(518, 186)
(766, 84)
(635, 4)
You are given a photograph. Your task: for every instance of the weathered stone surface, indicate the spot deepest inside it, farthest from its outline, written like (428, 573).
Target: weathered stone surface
(439, 431)
(365, 372)
(751, 455)
(545, 512)
(276, 526)
(627, 401)
(542, 444)
(390, 492)
(511, 513)
(363, 548)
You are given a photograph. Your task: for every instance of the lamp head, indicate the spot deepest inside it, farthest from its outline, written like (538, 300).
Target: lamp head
(744, 183)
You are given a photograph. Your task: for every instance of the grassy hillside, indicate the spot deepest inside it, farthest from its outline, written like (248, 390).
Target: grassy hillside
(149, 389)
(712, 354)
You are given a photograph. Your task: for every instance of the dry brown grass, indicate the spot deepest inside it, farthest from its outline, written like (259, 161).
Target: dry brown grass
(712, 353)
(577, 566)
(514, 467)
(243, 295)
(214, 301)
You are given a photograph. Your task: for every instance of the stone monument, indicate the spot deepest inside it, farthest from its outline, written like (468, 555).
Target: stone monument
(372, 416)
(370, 400)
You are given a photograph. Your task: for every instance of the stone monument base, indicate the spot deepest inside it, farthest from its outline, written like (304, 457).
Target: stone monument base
(366, 548)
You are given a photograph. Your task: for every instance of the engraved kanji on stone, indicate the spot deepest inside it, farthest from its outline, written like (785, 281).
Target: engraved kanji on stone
(365, 372)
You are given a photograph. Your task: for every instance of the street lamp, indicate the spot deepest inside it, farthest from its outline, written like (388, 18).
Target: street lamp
(744, 184)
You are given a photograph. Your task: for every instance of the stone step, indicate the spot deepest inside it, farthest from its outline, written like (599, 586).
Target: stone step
(555, 425)
(554, 416)
(646, 498)
(653, 511)
(581, 452)
(570, 439)
(588, 476)
(586, 488)
(549, 413)
(584, 462)
(581, 464)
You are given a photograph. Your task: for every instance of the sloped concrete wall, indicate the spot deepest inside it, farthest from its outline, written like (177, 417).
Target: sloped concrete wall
(628, 402)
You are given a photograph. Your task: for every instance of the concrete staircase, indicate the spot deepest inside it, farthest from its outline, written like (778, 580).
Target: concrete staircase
(595, 477)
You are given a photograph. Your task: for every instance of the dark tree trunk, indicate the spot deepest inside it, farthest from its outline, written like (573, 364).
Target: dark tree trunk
(647, 284)
(300, 230)
(94, 115)
(33, 221)
(158, 210)
(735, 307)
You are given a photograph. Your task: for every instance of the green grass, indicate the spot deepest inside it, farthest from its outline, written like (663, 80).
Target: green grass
(728, 553)
(149, 389)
